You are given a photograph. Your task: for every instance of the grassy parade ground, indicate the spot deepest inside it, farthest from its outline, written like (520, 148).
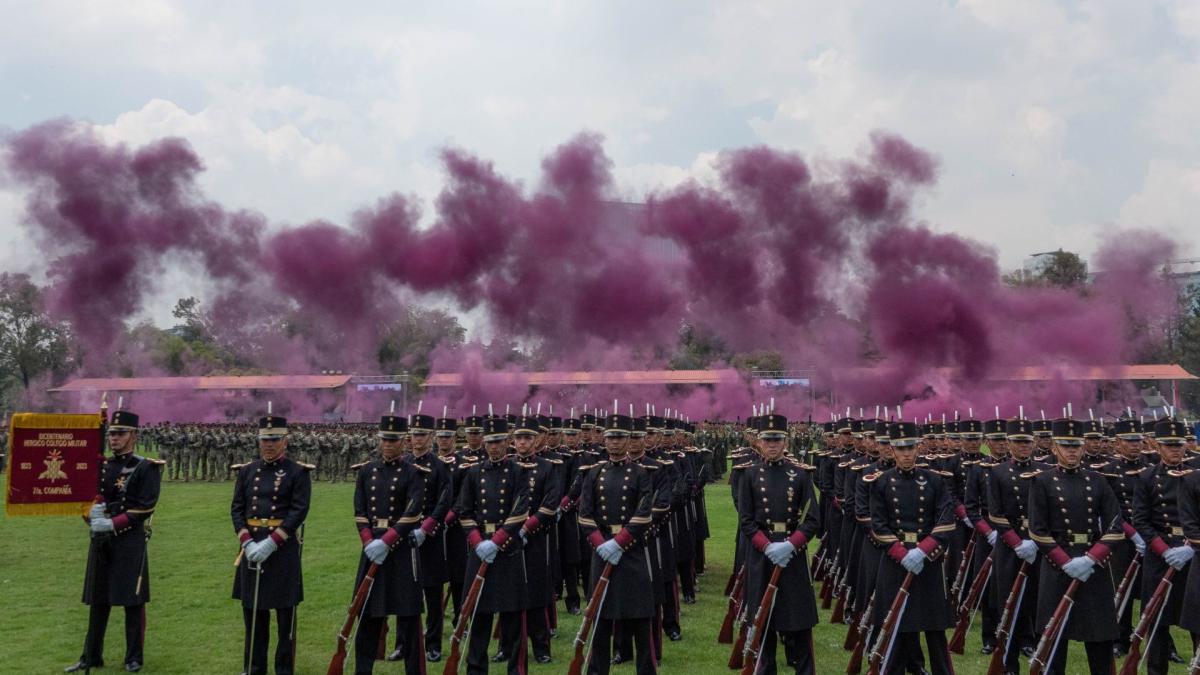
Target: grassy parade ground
(194, 626)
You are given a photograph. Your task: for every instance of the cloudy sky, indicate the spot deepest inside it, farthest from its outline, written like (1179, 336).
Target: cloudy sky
(1054, 122)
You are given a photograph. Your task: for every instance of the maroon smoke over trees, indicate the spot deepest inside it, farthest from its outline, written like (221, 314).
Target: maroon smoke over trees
(823, 262)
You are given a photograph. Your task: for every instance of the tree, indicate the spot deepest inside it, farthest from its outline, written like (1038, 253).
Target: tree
(408, 342)
(698, 348)
(31, 343)
(1065, 270)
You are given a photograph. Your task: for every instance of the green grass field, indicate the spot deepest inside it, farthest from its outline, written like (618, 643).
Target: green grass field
(194, 626)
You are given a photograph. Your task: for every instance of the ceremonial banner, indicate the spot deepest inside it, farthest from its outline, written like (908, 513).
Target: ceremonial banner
(54, 463)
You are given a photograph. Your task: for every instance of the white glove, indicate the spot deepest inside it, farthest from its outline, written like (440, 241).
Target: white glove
(1178, 556)
(967, 521)
(992, 537)
(102, 524)
(780, 553)
(1080, 567)
(96, 512)
(262, 550)
(610, 552)
(914, 561)
(1138, 543)
(1026, 550)
(487, 550)
(524, 537)
(376, 551)
(418, 537)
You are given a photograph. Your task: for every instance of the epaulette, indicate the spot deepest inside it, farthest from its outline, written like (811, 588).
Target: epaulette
(869, 478)
(747, 465)
(356, 467)
(651, 467)
(156, 462)
(1108, 475)
(667, 462)
(238, 467)
(856, 467)
(553, 461)
(527, 465)
(448, 459)
(1178, 473)
(420, 467)
(845, 464)
(942, 473)
(1031, 474)
(809, 467)
(307, 467)
(1134, 472)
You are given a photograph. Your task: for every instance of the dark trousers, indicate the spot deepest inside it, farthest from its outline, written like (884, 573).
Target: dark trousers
(370, 632)
(797, 649)
(670, 609)
(687, 578)
(434, 618)
(456, 599)
(135, 633)
(639, 629)
(700, 561)
(537, 626)
(284, 657)
(570, 573)
(1099, 656)
(907, 651)
(1160, 647)
(512, 643)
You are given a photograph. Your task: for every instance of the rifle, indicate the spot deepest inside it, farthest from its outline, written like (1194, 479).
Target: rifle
(1008, 619)
(465, 618)
(1125, 589)
(1053, 631)
(735, 604)
(887, 632)
(851, 632)
(966, 611)
(1148, 623)
(1194, 665)
(830, 580)
(591, 617)
(817, 572)
(338, 662)
(963, 565)
(864, 632)
(739, 646)
(842, 593)
(762, 620)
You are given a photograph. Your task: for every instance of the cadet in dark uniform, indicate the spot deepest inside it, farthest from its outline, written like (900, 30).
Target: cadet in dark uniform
(1074, 518)
(1157, 519)
(540, 474)
(1122, 472)
(616, 503)
(492, 506)
(270, 502)
(779, 516)
(912, 520)
(118, 569)
(454, 540)
(568, 523)
(388, 495)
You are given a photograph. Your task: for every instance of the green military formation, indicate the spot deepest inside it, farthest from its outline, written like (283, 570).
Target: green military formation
(551, 509)
(1046, 528)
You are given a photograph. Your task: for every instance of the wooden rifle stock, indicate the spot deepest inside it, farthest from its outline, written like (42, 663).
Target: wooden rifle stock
(762, 618)
(1147, 623)
(464, 620)
(966, 611)
(590, 616)
(963, 566)
(864, 632)
(829, 582)
(338, 662)
(739, 646)
(1008, 619)
(891, 623)
(817, 570)
(851, 632)
(735, 604)
(1054, 628)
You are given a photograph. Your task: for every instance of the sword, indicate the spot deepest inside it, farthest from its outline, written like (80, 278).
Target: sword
(257, 569)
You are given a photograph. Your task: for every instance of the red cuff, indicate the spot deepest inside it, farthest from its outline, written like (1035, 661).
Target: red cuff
(390, 536)
(500, 537)
(982, 527)
(798, 539)
(897, 551)
(928, 545)
(365, 535)
(429, 525)
(1158, 546)
(1099, 551)
(244, 537)
(474, 538)
(1011, 539)
(595, 539)
(277, 539)
(1059, 557)
(450, 517)
(531, 524)
(759, 541)
(1129, 530)
(566, 501)
(120, 521)
(960, 511)
(624, 539)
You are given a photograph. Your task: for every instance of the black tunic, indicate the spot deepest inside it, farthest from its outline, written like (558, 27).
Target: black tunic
(432, 554)
(616, 502)
(541, 477)
(130, 487)
(779, 503)
(493, 504)
(1073, 512)
(1156, 517)
(387, 505)
(271, 499)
